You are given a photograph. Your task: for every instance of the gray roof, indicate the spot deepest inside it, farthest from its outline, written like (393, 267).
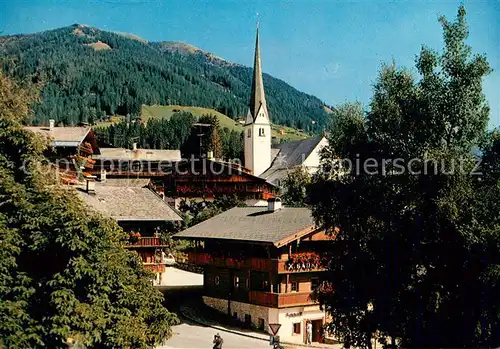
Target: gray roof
(127, 182)
(139, 154)
(253, 224)
(294, 153)
(129, 204)
(274, 175)
(62, 136)
(289, 155)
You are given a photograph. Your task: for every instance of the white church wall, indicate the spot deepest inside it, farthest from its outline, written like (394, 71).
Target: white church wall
(313, 160)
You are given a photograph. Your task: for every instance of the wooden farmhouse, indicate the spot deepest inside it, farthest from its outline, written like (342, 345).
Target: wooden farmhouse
(262, 265)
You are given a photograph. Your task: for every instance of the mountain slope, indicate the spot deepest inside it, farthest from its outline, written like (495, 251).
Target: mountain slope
(282, 133)
(82, 82)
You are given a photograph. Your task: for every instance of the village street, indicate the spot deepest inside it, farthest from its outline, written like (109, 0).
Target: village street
(189, 335)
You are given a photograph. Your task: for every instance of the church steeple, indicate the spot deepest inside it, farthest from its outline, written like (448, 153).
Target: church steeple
(257, 144)
(257, 96)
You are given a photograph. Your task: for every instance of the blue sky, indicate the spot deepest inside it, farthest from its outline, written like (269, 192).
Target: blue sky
(332, 49)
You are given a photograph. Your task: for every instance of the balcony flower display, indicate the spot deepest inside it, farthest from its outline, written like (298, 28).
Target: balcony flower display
(325, 288)
(306, 261)
(231, 258)
(134, 237)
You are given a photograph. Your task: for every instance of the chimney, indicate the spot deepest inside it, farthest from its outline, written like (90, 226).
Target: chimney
(273, 204)
(52, 123)
(90, 186)
(134, 146)
(210, 155)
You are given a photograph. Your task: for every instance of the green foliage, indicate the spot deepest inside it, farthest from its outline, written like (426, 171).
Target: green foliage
(66, 276)
(82, 84)
(199, 211)
(156, 134)
(419, 242)
(176, 132)
(232, 144)
(213, 141)
(295, 187)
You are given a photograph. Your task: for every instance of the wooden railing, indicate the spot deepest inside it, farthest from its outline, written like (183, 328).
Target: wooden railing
(148, 242)
(280, 300)
(266, 299)
(294, 298)
(257, 264)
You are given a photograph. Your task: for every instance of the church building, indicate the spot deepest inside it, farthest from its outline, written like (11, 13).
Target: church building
(272, 162)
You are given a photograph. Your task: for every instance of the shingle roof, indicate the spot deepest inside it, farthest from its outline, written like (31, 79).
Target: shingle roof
(62, 136)
(141, 154)
(289, 155)
(294, 153)
(252, 224)
(129, 204)
(127, 182)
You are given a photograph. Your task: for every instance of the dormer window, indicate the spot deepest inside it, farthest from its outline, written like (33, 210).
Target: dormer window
(249, 133)
(261, 132)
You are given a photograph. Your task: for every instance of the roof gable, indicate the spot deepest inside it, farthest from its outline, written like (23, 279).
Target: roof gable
(129, 204)
(289, 155)
(254, 224)
(62, 136)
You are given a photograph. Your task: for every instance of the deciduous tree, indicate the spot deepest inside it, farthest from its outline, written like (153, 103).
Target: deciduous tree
(65, 273)
(295, 187)
(416, 256)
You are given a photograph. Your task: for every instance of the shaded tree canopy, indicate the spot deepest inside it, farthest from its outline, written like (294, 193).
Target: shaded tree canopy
(64, 270)
(416, 255)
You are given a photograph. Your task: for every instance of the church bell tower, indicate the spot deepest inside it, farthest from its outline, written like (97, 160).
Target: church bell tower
(257, 129)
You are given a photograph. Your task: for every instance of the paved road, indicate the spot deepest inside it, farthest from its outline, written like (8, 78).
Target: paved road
(189, 335)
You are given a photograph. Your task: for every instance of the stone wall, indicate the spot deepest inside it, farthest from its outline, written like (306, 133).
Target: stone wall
(240, 309)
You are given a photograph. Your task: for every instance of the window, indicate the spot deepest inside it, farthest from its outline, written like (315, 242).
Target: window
(265, 284)
(314, 283)
(261, 132)
(295, 286)
(261, 324)
(248, 320)
(296, 328)
(216, 281)
(236, 282)
(235, 315)
(249, 133)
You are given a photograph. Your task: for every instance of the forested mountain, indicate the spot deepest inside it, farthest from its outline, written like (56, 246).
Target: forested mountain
(88, 74)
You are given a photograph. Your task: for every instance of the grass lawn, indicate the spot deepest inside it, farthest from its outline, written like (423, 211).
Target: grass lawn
(148, 112)
(159, 111)
(166, 111)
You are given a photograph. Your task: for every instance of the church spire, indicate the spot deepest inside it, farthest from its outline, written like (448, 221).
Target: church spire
(257, 143)
(257, 97)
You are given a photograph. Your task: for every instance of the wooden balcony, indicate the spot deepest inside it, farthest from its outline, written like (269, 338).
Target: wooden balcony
(256, 264)
(148, 242)
(280, 300)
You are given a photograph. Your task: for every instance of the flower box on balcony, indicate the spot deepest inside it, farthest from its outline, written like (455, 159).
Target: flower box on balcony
(306, 261)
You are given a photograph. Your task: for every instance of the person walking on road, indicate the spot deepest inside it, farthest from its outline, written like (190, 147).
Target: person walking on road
(309, 334)
(218, 341)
